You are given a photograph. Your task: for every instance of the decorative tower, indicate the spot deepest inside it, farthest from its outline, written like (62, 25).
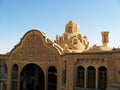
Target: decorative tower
(105, 38)
(72, 40)
(72, 27)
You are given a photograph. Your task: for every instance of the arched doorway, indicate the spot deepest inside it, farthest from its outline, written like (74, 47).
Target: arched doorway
(52, 78)
(102, 77)
(80, 76)
(91, 77)
(32, 78)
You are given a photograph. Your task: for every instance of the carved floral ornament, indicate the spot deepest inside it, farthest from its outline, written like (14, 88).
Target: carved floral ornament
(35, 47)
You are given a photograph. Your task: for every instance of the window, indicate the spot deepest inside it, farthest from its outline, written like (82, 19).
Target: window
(75, 41)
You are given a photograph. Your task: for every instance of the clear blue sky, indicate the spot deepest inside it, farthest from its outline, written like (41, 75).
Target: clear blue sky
(50, 16)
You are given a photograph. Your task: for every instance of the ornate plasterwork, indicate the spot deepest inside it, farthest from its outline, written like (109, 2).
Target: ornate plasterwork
(35, 47)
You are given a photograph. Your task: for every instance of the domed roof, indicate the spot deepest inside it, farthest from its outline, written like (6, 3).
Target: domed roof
(71, 22)
(99, 48)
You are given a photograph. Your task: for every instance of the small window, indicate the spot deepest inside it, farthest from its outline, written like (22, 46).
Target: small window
(70, 29)
(75, 41)
(65, 37)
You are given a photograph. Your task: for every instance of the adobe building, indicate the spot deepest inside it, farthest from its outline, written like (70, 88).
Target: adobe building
(68, 63)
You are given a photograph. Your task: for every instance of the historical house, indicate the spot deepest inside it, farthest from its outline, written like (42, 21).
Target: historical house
(68, 63)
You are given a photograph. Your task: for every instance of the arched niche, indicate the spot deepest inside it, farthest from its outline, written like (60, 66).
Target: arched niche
(52, 78)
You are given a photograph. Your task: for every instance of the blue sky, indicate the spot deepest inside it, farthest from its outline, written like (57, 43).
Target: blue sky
(50, 16)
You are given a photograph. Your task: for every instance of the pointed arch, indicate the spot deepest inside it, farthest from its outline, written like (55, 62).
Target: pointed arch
(32, 78)
(52, 78)
(91, 71)
(80, 76)
(102, 77)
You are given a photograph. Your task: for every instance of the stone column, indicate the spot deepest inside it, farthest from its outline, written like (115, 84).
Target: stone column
(70, 75)
(85, 78)
(46, 79)
(110, 72)
(59, 76)
(9, 77)
(18, 80)
(9, 82)
(96, 81)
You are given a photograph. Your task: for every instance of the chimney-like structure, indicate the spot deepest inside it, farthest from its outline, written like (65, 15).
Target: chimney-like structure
(105, 38)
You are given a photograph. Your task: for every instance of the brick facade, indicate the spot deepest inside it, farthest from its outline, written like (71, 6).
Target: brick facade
(37, 63)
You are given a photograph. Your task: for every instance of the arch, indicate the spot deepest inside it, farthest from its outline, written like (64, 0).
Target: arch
(14, 77)
(80, 76)
(84, 43)
(75, 41)
(52, 78)
(102, 77)
(80, 37)
(15, 72)
(91, 77)
(32, 78)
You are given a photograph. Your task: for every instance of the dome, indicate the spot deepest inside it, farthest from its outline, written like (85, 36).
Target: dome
(71, 22)
(99, 49)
